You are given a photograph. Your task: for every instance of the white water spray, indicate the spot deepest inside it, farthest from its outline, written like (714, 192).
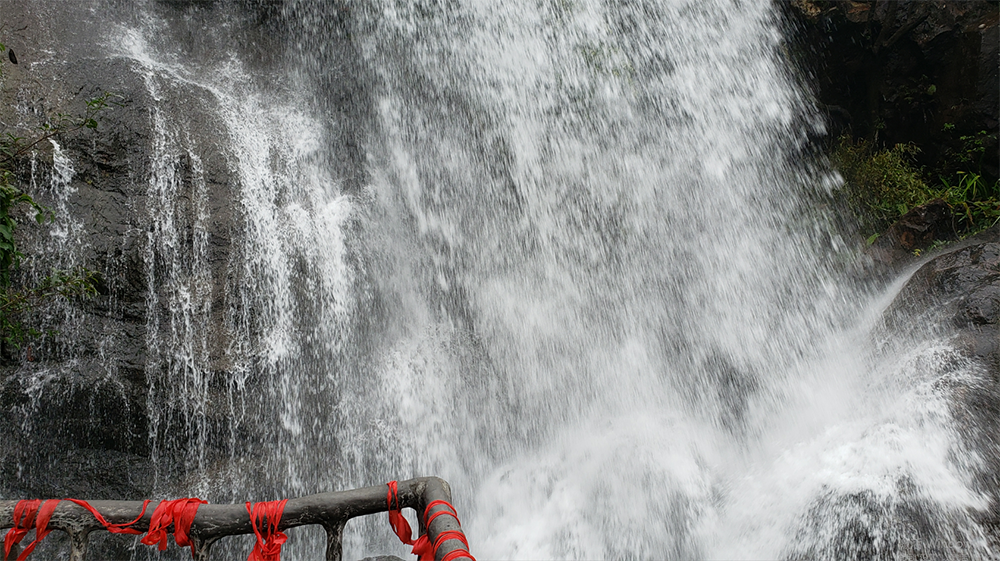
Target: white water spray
(621, 330)
(209, 391)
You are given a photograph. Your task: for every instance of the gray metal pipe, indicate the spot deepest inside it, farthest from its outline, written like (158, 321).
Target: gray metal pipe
(212, 522)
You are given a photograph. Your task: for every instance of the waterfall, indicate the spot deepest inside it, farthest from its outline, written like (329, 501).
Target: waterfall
(615, 318)
(285, 293)
(578, 258)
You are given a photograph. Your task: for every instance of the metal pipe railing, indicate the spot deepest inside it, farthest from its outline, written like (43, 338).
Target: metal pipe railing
(212, 522)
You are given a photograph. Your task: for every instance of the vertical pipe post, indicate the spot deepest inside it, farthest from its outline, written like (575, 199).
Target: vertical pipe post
(200, 548)
(335, 542)
(78, 548)
(438, 489)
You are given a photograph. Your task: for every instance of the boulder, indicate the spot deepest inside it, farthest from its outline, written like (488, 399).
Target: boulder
(961, 288)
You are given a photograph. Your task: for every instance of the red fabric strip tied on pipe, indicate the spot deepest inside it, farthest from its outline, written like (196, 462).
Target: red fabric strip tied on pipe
(399, 524)
(180, 513)
(123, 528)
(447, 535)
(24, 521)
(27, 515)
(457, 554)
(450, 512)
(35, 514)
(41, 527)
(268, 546)
(422, 547)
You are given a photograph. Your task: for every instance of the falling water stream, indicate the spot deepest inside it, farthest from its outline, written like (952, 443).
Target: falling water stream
(585, 270)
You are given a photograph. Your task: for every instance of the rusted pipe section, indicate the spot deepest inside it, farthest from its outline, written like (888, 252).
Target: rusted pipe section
(212, 522)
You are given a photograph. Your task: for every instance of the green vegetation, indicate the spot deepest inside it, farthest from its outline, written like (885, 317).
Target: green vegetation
(15, 304)
(883, 184)
(18, 297)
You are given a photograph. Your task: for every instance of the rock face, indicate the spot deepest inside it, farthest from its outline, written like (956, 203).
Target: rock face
(76, 401)
(960, 291)
(962, 286)
(89, 423)
(909, 71)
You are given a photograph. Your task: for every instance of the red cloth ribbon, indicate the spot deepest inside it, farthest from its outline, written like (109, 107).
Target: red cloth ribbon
(422, 547)
(450, 512)
(450, 535)
(180, 513)
(36, 514)
(456, 554)
(41, 527)
(446, 535)
(122, 528)
(24, 520)
(268, 546)
(25, 513)
(399, 524)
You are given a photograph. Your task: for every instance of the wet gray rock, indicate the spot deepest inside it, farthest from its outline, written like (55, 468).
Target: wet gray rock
(959, 291)
(82, 391)
(961, 284)
(863, 526)
(962, 287)
(76, 399)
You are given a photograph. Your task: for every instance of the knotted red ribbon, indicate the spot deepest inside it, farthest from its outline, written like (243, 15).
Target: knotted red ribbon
(450, 512)
(268, 546)
(422, 547)
(122, 528)
(41, 527)
(399, 524)
(456, 554)
(24, 520)
(180, 513)
(29, 514)
(36, 514)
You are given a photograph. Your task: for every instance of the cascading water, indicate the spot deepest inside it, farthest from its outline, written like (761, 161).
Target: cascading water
(285, 294)
(586, 273)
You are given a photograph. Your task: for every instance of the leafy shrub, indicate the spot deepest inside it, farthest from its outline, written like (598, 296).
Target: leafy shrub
(883, 184)
(18, 300)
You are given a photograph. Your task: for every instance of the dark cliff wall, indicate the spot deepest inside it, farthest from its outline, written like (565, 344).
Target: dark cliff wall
(921, 71)
(89, 423)
(76, 399)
